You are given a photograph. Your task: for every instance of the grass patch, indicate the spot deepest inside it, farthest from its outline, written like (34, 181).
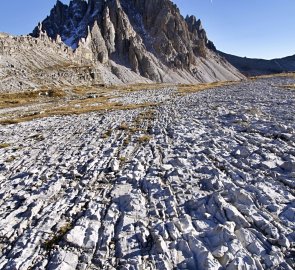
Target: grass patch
(37, 137)
(138, 87)
(106, 89)
(144, 139)
(147, 115)
(52, 102)
(24, 98)
(287, 74)
(14, 121)
(122, 159)
(75, 109)
(107, 134)
(123, 126)
(126, 141)
(86, 99)
(184, 89)
(48, 245)
(288, 86)
(10, 159)
(4, 145)
(133, 130)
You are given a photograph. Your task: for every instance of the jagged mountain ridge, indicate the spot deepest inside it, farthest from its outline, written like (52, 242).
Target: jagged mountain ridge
(28, 63)
(149, 37)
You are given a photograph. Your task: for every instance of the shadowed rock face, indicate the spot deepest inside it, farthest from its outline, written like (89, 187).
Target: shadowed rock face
(256, 67)
(148, 36)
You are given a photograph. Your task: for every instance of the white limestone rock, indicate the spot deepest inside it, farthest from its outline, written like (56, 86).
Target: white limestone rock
(220, 251)
(63, 260)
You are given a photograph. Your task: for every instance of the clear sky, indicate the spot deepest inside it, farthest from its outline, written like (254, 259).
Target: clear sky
(252, 28)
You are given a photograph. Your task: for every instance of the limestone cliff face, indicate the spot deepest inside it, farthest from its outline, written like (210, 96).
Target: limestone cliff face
(149, 37)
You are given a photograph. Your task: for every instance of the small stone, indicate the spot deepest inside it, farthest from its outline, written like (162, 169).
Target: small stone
(219, 252)
(115, 165)
(284, 242)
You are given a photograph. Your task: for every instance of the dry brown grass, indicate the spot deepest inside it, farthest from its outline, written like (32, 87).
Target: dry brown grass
(123, 159)
(24, 98)
(53, 102)
(84, 90)
(184, 89)
(123, 126)
(76, 107)
(148, 115)
(4, 145)
(107, 134)
(288, 86)
(144, 139)
(84, 99)
(126, 141)
(138, 87)
(10, 159)
(5, 122)
(83, 108)
(288, 74)
(107, 89)
(48, 244)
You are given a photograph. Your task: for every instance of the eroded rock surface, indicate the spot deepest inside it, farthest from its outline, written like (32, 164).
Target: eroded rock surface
(202, 181)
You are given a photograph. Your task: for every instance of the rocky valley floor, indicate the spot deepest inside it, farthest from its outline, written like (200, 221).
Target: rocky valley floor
(198, 181)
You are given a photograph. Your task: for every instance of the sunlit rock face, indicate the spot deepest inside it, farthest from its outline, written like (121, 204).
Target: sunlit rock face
(149, 37)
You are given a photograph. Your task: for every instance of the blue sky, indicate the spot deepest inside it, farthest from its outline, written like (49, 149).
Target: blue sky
(252, 28)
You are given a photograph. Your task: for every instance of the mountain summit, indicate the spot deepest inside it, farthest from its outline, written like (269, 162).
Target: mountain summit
(147, 37)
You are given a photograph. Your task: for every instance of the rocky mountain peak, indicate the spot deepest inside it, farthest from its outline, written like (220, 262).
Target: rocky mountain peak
(150, 37)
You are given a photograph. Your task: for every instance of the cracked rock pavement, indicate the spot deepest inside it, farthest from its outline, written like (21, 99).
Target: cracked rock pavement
(201, 181)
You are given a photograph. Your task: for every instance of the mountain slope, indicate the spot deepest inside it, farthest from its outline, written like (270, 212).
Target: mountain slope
(255, 67)
(150, 38)
(29, 63)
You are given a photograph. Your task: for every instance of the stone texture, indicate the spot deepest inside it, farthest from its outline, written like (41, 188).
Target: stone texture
(79, 200)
